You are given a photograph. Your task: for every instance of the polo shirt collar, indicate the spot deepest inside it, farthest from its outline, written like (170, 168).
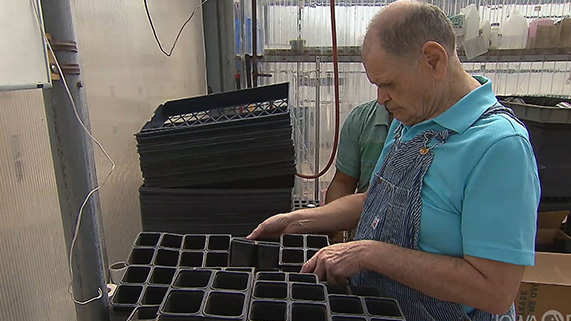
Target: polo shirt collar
(470, 108)
(381, 115)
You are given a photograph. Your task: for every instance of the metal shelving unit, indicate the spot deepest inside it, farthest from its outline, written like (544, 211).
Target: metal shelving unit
(353, 54)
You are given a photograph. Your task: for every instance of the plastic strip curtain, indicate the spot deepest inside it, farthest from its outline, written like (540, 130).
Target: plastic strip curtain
(312, 97)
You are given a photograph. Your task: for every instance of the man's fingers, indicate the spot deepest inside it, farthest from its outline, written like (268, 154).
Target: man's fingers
(319, 268)
(255, 234)
(309, 266)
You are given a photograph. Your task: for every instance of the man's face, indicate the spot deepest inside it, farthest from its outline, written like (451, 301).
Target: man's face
(403, 85)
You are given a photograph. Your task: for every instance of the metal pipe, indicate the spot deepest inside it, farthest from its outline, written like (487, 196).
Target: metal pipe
(317, 123)
(74, 166)
(255, 42)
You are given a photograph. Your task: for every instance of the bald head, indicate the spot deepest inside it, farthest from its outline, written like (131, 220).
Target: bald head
(404, 26)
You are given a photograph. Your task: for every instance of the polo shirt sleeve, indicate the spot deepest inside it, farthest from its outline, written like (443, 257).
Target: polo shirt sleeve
(501, 197)
(348, 157)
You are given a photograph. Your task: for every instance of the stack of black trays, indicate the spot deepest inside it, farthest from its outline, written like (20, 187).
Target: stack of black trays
(219, 163)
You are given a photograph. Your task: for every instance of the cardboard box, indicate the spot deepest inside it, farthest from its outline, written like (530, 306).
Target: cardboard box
(549, 227)
(545, 291)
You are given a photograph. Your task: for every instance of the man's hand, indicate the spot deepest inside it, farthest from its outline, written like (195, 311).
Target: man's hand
(275, 226)
(338, 262)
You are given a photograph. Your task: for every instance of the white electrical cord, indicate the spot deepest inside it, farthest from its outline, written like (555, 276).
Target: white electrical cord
(80, 213)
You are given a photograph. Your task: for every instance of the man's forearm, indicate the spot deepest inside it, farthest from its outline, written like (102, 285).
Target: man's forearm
(337, 190)
(443, 277)
(341, 214)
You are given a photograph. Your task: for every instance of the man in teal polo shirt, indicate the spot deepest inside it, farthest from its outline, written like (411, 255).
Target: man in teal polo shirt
(448, 222)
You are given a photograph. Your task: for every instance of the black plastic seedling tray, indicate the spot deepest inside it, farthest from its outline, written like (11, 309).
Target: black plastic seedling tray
(296, 249)
(188, 277)
(208, 295)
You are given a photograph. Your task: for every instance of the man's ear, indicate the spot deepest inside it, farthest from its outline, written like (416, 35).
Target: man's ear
(435, 58)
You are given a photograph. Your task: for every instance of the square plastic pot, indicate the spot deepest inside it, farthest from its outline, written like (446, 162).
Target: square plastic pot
(173, 241)
(308, 312)
(292, 240)
(219, 242)
(308, 292)
(380, 307)
(183, 302)
(271, 290)
(243, 252)
(228, 304)
(231, 280)
(154, 295)
(127, 294)
(142, 256)
(271, 276)
(316, 241)
(268, 311)
(192, 279)
(194, 242)
(191, 259)
(136, 274)
(302, 278)
(216, 259)
(166, 257)
(162, 275)
(346, 304)
(148, 239)
(292, 256)
(268, 255)
(292, 268)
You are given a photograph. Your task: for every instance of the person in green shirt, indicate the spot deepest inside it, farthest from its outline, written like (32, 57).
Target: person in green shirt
(360, 143)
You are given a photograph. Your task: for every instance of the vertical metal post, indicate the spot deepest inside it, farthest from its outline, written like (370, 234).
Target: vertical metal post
(220, 45)
(255, 42)
(74, 166)
(317, 122)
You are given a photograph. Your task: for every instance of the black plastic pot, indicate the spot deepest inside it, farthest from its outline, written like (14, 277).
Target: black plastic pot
(308, 292)
(192, 279)
(154, 295)
(346, 304)
(142, 256)
(231, 281)
(191, 259)
(183, 302)
(166, 257)
(162, 275)
(268, 311)
(148, 239)
(268, 255)
(243, 252)
(194, 242)
(216, 259)
(271, 290)
(309, 312)
(136, 274)
(173, 241)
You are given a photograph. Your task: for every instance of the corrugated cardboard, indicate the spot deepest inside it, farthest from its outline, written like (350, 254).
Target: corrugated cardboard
(549, 226)
(545, 291)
